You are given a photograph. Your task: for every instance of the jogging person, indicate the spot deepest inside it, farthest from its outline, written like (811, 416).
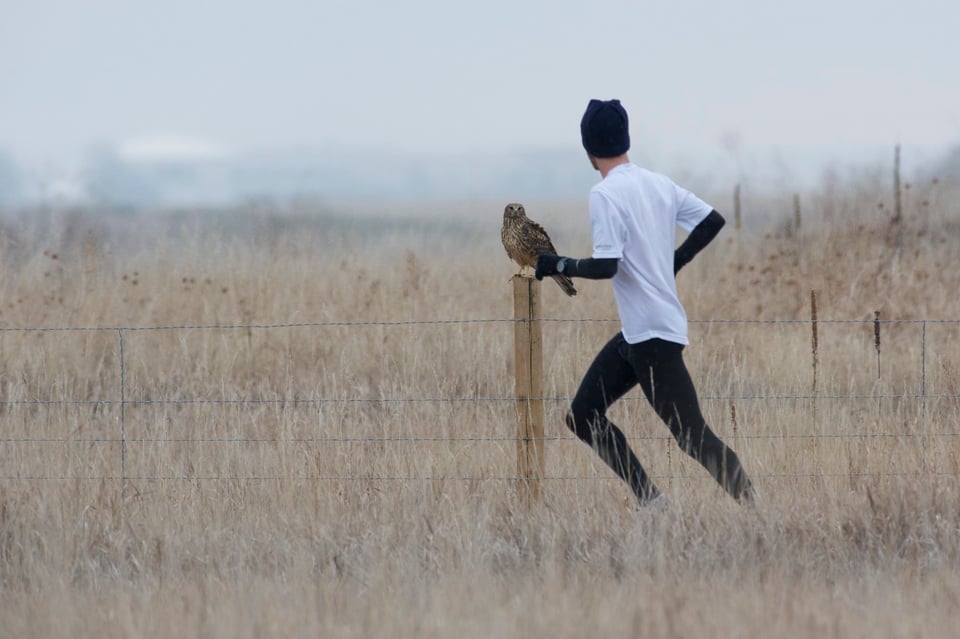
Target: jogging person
(633, 218)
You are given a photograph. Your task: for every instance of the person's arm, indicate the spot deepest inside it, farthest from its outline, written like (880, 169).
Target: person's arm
(701, 235)
(589, 268)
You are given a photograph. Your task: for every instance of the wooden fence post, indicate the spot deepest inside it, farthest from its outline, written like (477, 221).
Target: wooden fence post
(528, 368)
(737, 223)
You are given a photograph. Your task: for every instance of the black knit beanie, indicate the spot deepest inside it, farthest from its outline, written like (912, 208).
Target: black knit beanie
(604, 129)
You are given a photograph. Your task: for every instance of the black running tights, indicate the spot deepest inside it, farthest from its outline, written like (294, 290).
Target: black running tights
(657, 366)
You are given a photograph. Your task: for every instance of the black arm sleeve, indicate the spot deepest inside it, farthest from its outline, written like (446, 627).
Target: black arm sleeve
(592, 268)
(699, 237)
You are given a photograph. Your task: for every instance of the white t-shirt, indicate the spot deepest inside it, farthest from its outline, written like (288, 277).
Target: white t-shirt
(634, 214)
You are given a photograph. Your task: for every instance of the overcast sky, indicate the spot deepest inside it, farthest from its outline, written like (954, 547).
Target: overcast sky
(428, 76)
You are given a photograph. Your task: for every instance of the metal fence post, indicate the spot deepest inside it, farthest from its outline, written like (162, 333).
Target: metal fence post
(923, 393)
(123, 418)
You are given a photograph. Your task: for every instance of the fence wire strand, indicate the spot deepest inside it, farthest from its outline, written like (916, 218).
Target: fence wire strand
(439, 322)
(450, 440)
(202, 401)
(456, 478)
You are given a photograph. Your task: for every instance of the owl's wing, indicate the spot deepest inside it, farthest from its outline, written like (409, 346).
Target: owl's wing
(537, 239)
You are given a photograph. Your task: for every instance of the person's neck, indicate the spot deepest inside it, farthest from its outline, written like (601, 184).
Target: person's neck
(605, 165)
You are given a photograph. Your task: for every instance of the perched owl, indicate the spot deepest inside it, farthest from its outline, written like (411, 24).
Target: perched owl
(524, 240)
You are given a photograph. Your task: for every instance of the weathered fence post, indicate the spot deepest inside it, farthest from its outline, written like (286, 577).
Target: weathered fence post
(528, 369)
(737, 223)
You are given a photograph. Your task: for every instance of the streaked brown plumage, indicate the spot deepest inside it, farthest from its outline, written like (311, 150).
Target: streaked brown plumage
(525, 240)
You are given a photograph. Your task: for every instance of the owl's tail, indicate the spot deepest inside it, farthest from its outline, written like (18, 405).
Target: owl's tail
(565, 283)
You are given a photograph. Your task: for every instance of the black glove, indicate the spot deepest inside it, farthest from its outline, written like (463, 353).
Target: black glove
(547, 265)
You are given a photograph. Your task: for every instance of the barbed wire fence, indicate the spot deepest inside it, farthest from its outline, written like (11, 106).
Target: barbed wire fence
(124, 401)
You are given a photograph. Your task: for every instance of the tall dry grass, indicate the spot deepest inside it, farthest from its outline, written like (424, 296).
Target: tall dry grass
(250, 509)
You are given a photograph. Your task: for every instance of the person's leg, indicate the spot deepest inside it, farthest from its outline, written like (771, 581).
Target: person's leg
(666, 383)
(609, 377)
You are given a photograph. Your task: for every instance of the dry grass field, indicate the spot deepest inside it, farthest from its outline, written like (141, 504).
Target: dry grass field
(311, 449)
